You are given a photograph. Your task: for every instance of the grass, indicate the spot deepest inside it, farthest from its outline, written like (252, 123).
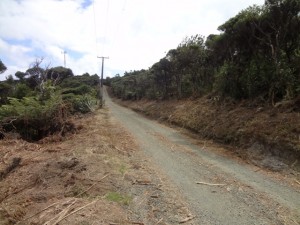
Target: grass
(122, 169)
(76, 192)
(117, 197)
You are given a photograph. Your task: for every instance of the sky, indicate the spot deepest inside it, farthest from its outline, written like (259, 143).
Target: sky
(134, 34)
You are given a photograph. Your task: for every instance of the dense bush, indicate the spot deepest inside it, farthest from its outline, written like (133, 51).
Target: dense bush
(81, 103)
(22, 90)
(32, 118)
(256, 55)
(79, 90)
(40, 102)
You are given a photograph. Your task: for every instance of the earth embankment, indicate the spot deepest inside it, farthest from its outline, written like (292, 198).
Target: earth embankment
(267, 136)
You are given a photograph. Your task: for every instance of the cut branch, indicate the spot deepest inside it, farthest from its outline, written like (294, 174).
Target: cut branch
(209, 184)
(187, 219)
(91, 186)
(78, 209)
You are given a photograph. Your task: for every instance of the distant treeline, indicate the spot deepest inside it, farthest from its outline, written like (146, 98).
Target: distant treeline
(256, 54)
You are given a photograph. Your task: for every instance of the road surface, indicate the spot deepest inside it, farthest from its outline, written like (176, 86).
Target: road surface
(229, 192)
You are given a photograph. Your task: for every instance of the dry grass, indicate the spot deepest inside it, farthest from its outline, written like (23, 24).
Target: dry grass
(58, 172)
(89, 177)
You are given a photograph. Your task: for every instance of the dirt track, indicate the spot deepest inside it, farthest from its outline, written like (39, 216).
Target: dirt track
(231, 192)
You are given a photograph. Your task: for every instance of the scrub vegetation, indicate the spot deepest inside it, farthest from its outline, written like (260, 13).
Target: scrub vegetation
(256, 55)
(41, 101)
(239, 87)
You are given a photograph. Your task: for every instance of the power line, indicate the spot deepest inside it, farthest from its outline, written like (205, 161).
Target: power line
(118, 25)
(95, 27)
(105, 29)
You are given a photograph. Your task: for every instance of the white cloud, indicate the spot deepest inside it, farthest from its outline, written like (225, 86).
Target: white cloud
(133, 33)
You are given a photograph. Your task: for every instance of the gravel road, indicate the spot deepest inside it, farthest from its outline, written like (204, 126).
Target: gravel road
(230, 192)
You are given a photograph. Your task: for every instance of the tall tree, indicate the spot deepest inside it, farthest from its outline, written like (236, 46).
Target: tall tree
(3, 68)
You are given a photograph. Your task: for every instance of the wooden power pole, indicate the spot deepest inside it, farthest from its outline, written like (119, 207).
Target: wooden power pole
(101, 80)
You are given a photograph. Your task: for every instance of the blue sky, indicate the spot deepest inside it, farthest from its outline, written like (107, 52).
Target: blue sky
(133, 33)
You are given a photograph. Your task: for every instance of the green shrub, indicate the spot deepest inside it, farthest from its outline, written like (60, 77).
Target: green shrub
(81, 103)
(80, 90)
(34, 119)
(22, 90)
(85, 103)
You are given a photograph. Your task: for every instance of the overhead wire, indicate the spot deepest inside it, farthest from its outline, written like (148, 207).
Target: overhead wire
(104, 42)
(95, 28)
(115, 33)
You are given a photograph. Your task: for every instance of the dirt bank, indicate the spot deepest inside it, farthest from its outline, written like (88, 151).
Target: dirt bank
(267, 136)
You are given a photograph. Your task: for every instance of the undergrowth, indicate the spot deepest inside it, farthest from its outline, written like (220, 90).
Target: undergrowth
(117, 197)
(33, 118)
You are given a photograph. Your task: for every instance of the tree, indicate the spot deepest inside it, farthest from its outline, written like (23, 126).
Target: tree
(163, 77)
(188, 63)
(3, 68)
(22, 90)
(38, 79)
(20, 75)
(10, 79)
(197, 69)
(256, 54)
(36, 74)
(258, 51)
(58, 74)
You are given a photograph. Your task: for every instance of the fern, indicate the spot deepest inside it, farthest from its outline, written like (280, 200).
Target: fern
(33, 118)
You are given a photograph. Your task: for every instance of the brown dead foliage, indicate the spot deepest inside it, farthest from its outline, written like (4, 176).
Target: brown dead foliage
(66, 180)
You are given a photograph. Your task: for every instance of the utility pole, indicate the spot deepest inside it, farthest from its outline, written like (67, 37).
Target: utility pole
(64, 52)
(101, 80)
(102, 57)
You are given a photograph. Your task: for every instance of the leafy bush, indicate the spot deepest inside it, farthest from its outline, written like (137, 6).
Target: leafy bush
(22, 90)
(33, 119)
(81, 103)
(85, 103)
(73, 82)
(80, 90)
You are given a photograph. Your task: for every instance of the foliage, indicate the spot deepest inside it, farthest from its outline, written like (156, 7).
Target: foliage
(2, 67)
(22, 90)
(58, 74)
(261, 43)
(39, 102)
(20, 75)
(73, 82)
(257, 54)
(5, 91)
(33, 118)
(82, 103)
(117, 197)
(79, 90)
